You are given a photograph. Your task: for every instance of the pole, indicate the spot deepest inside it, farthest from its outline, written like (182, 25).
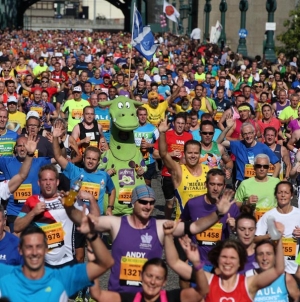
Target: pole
(269, 51)
(207, 10)
(174, 23)
(190, 17)
(94, 11)
(242, 47)
(223, 9)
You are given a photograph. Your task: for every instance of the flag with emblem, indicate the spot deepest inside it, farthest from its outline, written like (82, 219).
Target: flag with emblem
(171, 12)
(142, 37)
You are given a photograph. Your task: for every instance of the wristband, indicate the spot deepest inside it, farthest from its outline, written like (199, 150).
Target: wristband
(187, 226)
(30, 154)
(93, 238)
(295, 150)
(219, 214)
(61, 145)
(199, 266)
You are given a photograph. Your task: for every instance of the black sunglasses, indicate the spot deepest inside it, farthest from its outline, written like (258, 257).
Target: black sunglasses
(207, 133)
(258, 166)
(145, 202)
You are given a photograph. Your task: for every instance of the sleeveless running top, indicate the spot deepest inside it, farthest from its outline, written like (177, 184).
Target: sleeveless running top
(191, 186)
(277, 152)
(163, 296)
(279, 107)
(130, 250)
(92, 133)
(238, 125)
(211, 157)
(238, 294)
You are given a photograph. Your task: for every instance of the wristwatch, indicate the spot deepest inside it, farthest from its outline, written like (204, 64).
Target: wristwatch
(219, 214)
(112, 207)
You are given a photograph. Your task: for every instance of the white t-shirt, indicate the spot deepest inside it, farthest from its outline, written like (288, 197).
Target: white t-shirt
(4, 190)
(290, 221)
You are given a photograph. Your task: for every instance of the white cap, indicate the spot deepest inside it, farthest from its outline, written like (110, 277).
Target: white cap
(12, 99)
(32, 114)
(77, 88)
(243, 67)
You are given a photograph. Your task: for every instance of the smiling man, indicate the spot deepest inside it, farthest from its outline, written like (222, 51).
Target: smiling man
(180, 181)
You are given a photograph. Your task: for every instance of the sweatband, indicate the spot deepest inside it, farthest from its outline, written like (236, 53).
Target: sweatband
(187, 226)
(244, 108)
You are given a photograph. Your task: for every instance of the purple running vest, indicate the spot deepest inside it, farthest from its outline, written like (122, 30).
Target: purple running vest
(279, 107)
(130, 250)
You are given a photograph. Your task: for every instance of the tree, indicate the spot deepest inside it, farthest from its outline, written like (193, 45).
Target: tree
(124, 6)
(291, 38)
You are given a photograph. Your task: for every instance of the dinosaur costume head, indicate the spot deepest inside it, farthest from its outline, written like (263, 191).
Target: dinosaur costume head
(124, 121)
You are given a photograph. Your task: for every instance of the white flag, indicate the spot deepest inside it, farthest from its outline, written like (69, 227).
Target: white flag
(171, 12)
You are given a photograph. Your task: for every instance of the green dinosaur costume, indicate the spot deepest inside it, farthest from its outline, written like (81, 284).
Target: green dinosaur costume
(123, 155)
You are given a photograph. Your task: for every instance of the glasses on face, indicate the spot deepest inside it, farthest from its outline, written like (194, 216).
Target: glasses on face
(32, 126)
(44, 82)
(97, 89)
(145, 202)
(246, 78)
(102, 99)
(247, 133)
(258, 166)
(6, 69)
(207, 133)
(260, 86)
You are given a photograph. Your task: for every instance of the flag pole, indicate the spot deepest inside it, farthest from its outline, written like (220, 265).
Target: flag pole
(130, 55)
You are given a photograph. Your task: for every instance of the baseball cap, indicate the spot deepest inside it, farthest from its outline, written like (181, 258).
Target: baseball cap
(271, 76)
(164, 77)
(77, 88)
(141, 192)
(243, 67)
(32, 114)
(106, 75)
(12, 99)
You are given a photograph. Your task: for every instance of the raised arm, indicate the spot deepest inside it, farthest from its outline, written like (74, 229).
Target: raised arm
(172, 166)
(57, 133)
(229, 125)
(265, 278)
(18, 179)
(103, 259)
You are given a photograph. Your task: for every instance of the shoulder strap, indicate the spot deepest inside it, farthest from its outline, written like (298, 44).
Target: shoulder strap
(138, 297)
(163, 296)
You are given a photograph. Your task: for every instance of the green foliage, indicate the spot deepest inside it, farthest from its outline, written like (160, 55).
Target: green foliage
(291, 38)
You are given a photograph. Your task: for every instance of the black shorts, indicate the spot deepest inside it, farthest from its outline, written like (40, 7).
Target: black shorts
(79, 240)
(60, 97)
(151, 171)
(167, 187)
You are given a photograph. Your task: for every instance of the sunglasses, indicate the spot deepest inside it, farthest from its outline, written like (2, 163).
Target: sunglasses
(246, 77)
(259, 86)
(145, 202)
(207, 133)
(44, 82)
(6, 69)
(258, 166)
(97, 89)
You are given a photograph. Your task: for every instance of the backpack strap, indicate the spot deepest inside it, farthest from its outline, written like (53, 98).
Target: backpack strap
(138, 297)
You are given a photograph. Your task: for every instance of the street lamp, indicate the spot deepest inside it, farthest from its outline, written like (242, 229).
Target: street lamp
(207, 10)
(242, 48)
(223, 9)
(269, 51)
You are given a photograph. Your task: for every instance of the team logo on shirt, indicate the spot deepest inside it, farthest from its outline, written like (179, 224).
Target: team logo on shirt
(224, 299)
(146, 241)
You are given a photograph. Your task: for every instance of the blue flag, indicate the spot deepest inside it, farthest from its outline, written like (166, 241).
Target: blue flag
(142, 37)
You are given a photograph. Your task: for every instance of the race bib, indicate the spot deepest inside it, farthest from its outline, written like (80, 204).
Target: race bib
(218, 116)
(125, 196)
(105, 124)
(92, 188)
(289, 247)
(39, 110)
(22, 193)
(259, 212)
(272, 169)
(94, 144)
(249, 171)
(131, 270)
(77, 114)
(55, 235)
(210, 236)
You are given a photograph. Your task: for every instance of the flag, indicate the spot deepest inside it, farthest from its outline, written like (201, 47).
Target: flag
(142, 37)
(171, 12)
(215, 33)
